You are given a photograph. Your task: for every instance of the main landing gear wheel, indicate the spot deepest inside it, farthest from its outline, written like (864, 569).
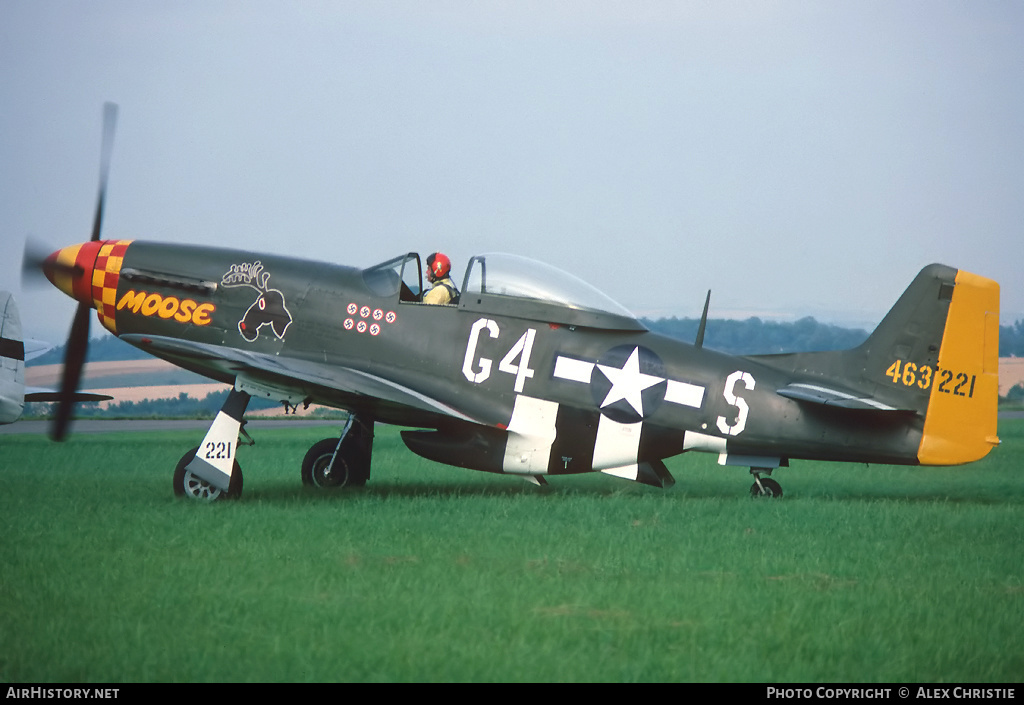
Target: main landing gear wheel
(194, 487)
(767, 488)
(343, 462)
(318, 471)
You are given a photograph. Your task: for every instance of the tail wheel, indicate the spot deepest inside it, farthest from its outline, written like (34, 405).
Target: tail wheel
(766, 487)
(187, 484)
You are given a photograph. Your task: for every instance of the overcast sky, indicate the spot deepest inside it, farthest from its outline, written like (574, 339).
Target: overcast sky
(797, 158)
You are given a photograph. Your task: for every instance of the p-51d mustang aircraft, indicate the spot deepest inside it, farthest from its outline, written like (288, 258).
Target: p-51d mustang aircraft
(532, 373)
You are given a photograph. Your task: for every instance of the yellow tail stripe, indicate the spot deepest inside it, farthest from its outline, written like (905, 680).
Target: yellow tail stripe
(960, 425)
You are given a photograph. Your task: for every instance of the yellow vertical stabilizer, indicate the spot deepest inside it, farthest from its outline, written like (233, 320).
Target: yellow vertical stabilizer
(960, 425)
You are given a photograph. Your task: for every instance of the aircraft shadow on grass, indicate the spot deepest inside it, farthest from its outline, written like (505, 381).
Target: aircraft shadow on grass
(966, 494)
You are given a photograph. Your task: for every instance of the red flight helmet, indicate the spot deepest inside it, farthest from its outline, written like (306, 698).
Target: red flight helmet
(438, 266)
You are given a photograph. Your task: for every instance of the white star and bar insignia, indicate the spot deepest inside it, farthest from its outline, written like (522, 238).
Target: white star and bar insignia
(628, 383)
(637, 379)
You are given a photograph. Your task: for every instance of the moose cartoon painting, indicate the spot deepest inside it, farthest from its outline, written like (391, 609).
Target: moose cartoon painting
(267, 310)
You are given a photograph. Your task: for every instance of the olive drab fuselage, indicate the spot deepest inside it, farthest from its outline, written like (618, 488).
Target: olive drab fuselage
(529, 386)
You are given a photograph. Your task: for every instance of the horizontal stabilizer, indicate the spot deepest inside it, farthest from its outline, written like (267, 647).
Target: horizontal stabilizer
(829, 396)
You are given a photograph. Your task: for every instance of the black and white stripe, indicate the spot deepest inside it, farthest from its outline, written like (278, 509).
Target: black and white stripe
(548, 438)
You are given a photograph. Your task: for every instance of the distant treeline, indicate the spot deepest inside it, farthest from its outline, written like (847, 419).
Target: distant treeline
(105, 349)
(755, 337)
(1011, 340)
(183, 406)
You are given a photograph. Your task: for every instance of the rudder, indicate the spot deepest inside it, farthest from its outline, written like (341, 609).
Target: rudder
(960, 425)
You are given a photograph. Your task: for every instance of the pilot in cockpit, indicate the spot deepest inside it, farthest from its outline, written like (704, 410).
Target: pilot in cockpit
(443, 291)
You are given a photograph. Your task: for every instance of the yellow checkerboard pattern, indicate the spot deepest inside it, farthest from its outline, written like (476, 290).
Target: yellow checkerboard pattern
(105, 275)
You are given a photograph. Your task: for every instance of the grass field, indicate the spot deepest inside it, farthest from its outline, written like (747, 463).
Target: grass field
(437, 574)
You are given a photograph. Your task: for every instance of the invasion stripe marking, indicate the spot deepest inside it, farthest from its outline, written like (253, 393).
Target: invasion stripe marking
(12, 349)
(618, 444)
(531, 433)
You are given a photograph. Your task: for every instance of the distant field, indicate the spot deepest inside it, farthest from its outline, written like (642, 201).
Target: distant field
(138, 380)
(1011, 373)
(120, 373)
(436, 574)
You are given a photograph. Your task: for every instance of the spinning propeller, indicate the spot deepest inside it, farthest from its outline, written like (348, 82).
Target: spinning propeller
(66, 274)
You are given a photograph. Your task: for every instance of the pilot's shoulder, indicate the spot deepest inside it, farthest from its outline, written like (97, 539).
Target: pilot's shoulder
(437, 295)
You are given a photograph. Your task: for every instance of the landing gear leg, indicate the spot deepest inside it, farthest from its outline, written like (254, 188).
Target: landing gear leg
(211, 471)
(764, 486)
(344, 461)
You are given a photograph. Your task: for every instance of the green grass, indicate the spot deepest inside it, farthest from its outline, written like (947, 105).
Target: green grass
(438, 574)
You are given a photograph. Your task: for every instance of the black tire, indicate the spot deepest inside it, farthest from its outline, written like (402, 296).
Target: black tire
(188, 485)
(345, 473)
(772, 489)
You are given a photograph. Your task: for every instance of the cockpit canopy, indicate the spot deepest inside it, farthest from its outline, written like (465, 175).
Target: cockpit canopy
(513, 275)
(511, 285)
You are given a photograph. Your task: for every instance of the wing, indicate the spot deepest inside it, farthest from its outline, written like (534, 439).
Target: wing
(332, 385)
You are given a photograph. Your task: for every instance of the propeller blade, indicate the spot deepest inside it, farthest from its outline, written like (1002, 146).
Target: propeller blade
(78, 338)
(109, 124)
(32, 262)
(38, 267)
(74, 359)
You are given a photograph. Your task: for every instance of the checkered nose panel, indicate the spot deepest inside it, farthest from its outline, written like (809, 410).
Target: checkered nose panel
(105, 275)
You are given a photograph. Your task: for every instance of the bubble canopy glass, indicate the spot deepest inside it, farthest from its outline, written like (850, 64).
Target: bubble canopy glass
(497, 274)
